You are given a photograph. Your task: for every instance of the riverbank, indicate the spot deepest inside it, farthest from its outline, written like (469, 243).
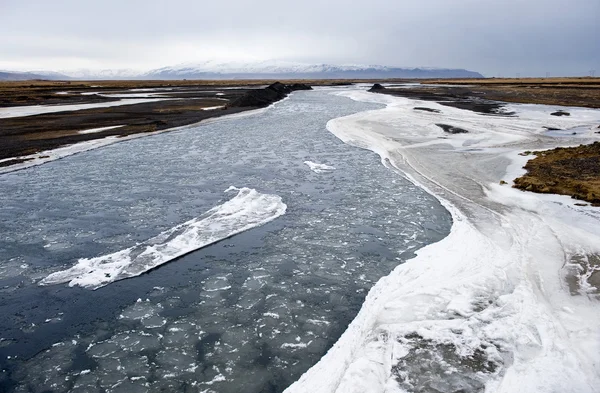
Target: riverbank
(33, 132)
(582, 92)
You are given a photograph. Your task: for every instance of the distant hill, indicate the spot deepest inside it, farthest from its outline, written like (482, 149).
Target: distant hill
(257, 70)
(288, 70)
(25, 76)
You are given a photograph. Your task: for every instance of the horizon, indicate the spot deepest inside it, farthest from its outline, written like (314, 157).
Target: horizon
(74, 73)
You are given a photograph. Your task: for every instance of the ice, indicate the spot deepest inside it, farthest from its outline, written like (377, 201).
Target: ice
(21, 111)
(247, 210)
(319, 168)
(488, 307)
(140, 310)
(99, 129)
(217, 284)
(58, 153)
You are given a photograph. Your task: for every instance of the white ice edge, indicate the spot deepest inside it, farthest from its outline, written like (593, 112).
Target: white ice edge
(496, 283)
(247, 210)
(99, 129)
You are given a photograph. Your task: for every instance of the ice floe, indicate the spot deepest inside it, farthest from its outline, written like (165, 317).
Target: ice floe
(319, 168)
(248, 209)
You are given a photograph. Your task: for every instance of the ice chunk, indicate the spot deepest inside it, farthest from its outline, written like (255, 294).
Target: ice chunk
(99, 129)
(319, 168)
(248, 209)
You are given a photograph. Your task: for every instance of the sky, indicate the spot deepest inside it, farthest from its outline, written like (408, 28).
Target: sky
(493, 37)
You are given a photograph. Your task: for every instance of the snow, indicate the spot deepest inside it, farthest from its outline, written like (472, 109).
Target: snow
(88, 74)
(273, 66)
(319, 168)
(21, 111)
(99, 129)
(247, 210)
(488, 307)
(266, 67)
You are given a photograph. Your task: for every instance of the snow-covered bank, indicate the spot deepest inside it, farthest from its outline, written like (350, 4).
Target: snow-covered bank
(501, 304)
(247, 210)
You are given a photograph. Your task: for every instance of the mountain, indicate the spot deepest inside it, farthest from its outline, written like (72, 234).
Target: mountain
(107, 74)
(273, 69)
(290, 70)
(25, 76)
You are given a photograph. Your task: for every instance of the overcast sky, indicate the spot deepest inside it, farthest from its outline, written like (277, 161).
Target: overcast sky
(494, 37)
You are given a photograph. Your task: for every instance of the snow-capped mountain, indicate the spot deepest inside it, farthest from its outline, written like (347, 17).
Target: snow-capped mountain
(87, 74)
(24, 76)
(272, 69)
(285, 69)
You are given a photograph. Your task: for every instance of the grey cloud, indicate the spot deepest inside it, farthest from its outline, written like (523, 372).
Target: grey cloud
(493, 37)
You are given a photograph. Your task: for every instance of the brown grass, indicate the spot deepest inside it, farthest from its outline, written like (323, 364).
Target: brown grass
(584, 91)
(585, 81)
(573, 171)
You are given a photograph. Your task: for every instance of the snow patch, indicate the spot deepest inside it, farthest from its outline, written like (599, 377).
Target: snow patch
(99, 129)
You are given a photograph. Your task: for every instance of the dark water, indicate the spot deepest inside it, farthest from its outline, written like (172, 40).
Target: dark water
(250, 313)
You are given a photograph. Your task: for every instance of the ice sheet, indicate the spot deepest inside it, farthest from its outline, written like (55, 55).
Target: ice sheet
(488, 308)
(247, 210)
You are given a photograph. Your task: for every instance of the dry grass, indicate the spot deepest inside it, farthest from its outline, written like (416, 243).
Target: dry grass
(573, 171)
(584, 81)
(584, 91)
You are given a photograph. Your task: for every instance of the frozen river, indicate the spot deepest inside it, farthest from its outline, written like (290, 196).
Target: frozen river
(316, 222)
